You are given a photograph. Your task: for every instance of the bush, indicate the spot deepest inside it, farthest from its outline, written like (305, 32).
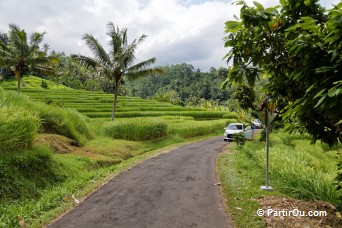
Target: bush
(240, 139)
(137, 129)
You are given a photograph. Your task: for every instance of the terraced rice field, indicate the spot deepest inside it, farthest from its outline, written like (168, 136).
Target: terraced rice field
(181, 121)
(99, 105)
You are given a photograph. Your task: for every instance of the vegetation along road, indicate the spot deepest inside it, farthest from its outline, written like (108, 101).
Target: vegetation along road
(176, 189)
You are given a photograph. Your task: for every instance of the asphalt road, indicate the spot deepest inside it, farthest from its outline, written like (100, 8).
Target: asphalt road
(175, 189)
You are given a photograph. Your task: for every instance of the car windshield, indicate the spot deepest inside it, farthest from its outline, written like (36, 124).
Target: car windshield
(234, 127)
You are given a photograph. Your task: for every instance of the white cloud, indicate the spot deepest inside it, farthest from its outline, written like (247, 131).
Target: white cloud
(178, 31)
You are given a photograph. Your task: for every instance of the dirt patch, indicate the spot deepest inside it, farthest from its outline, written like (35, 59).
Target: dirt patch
(58, 143)
(284, 211)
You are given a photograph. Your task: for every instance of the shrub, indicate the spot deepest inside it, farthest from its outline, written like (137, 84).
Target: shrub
(137, 129)
(240, 139)
(44, 85)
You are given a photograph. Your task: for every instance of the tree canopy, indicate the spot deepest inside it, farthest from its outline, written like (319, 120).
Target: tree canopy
(297, 47)
(22, 54)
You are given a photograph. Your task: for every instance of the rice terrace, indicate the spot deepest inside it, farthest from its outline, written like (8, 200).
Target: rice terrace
(157, 131)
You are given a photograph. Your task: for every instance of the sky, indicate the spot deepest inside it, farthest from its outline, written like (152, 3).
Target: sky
(179, 31)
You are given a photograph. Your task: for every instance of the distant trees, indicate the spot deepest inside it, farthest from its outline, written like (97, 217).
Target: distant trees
(119, 61)
(297, 47)
(184, 83)
(22, 54)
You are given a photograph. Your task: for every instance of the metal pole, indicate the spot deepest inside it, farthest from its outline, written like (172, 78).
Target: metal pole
(267, 149)
(267, 187)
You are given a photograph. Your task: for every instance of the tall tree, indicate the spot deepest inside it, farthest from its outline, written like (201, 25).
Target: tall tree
(297, 47)
(119, 61)
(21, 55)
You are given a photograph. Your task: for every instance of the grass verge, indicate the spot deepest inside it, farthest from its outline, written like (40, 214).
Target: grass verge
(297, 170)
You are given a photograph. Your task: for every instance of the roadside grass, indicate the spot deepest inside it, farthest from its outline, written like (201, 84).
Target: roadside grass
(297, 170)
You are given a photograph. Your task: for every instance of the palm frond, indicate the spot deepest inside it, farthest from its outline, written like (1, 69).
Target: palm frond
(97, 49)
(142, 65)
(84, 60)
(133, 75)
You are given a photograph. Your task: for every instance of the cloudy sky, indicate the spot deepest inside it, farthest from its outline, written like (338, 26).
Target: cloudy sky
(179, 31)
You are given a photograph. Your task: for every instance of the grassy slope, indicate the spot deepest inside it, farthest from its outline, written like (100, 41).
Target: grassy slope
(30, 82)
(297, 170)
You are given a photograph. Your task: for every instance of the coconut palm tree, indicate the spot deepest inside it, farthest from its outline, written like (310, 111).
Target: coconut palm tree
(119, 61)
(22, 56)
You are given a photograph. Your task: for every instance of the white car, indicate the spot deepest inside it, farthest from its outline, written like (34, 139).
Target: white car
(257, 123)
(231, 129)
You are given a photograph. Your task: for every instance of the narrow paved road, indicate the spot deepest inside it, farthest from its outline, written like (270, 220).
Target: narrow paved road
(176, 189)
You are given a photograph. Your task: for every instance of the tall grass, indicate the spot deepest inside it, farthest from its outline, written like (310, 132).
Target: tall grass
(17, 124)
(137, 129)
(297, 168)
(46, 118)
(17, 128)
(191, 128)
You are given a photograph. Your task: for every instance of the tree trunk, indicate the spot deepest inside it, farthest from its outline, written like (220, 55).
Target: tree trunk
(18, 87)
(115, 99)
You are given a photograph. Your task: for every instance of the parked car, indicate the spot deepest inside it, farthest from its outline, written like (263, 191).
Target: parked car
(231, 129)
(257, 124)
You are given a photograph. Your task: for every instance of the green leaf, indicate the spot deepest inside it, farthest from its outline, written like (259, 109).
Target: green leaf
(230, 25)
(319, 93)
(258, 5)
(339, 122)
(320, 101)
(310, 88)
(332, 92)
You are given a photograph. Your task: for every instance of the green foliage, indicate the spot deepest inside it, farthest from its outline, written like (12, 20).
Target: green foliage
(65, 122)
(24, 174)
(18, 125)
(137, 129)
(298, 169)
(184, 83)
(240, 139)
(263, 135)
(44, 85)
(23, 116)
(32, 82)
(245, 96)
(297, 48)
(22, 55)
(191, 128)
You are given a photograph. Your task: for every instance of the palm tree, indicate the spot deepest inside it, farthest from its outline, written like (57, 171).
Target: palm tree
(118, 62)
(22, 56)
